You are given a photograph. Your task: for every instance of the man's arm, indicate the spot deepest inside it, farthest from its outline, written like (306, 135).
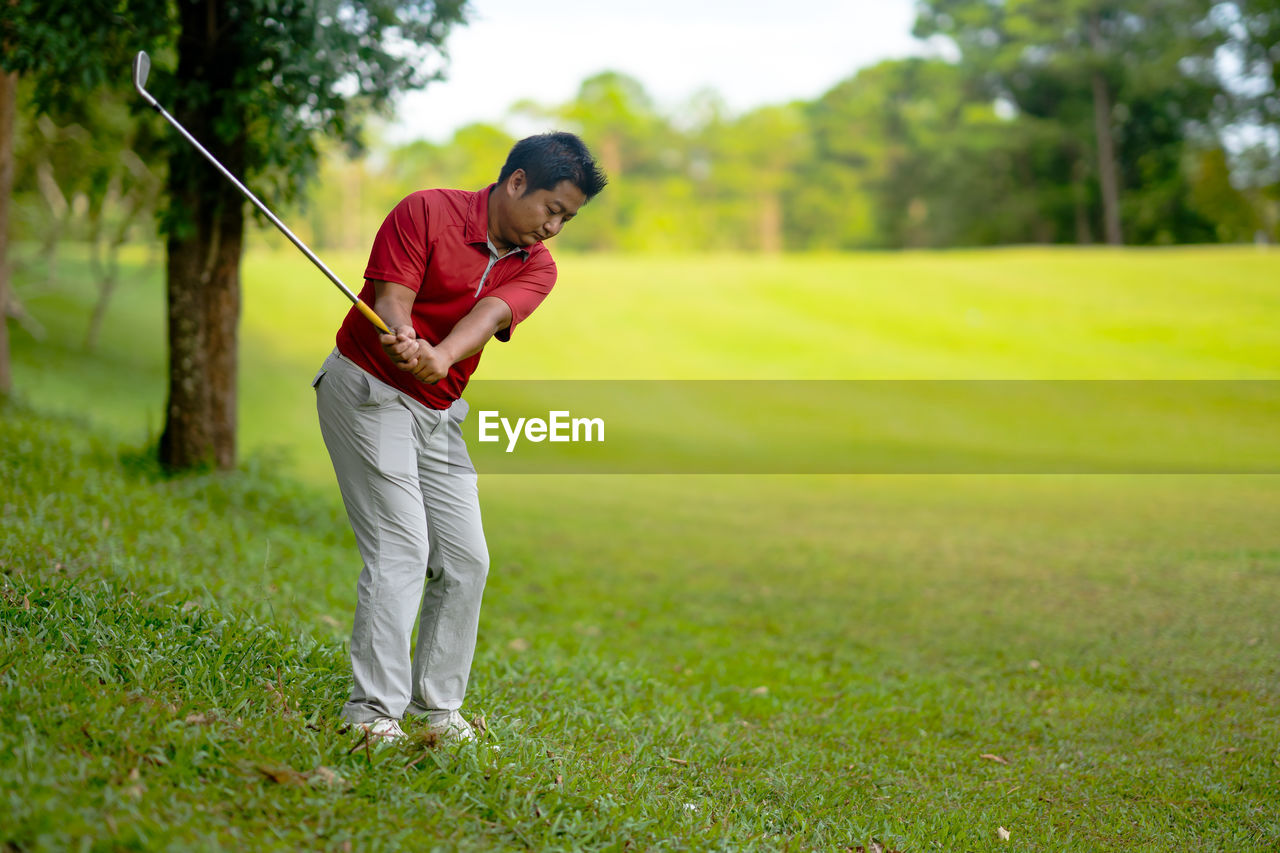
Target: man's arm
(394, 304)
(430, 364)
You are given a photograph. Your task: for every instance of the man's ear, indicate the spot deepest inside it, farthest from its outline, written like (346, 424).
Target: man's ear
(517, 183)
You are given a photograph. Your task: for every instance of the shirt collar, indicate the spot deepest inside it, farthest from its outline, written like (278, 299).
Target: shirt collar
(477, 227)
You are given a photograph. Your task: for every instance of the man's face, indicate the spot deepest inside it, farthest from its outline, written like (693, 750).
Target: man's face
(526, 218)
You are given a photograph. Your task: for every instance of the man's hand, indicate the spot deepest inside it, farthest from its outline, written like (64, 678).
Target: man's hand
(428, 364)
(400, 346)
(409, 352)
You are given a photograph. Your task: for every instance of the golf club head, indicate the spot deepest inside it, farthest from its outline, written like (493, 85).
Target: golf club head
(141, 68)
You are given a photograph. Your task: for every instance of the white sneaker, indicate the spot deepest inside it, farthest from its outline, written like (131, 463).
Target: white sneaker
(450, 727)
(381, 730)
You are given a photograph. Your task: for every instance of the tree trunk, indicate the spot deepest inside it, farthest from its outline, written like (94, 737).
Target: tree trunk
(105, 253)
(1109, 183)
(1079, 197)
(8, 110)
(1107, 178)
(107, 279)
(60, 212)
(204, 246)
(204, 310)
(1041, 230)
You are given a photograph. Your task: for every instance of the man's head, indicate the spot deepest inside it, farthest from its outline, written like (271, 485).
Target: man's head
(544, 182)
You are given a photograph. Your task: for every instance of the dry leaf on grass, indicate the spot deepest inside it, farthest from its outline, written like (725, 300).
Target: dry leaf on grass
(874, 847)
(325, 776)
(997, 759)
(137, 788)
(281, 774)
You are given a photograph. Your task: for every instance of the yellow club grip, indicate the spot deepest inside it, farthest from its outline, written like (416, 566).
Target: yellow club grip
(372, 317)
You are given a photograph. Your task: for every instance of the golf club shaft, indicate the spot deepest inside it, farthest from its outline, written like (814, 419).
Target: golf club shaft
(275, 220)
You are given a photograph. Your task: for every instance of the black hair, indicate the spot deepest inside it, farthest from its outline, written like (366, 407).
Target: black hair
(549, 158)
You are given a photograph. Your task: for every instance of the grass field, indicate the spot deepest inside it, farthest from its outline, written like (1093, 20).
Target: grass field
(737, 662)
(1192, 313)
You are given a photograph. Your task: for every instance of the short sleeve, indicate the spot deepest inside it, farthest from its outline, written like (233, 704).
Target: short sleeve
(524, 292)
(399, 252)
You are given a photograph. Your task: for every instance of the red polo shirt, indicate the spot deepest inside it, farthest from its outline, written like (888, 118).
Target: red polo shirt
(436, 243)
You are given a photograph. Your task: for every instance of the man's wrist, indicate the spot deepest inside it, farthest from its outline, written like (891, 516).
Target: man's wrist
(445, 351)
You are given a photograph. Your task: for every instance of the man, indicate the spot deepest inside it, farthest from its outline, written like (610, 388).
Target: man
(448, 271)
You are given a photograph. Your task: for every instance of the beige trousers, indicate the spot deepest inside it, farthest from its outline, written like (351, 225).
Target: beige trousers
(410, 492)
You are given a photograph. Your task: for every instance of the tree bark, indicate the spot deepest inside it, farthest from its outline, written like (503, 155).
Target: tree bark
(105, 252)
(204, 246)
(1079, 198)
(1108, 180)
(8, 110)
(204, 311)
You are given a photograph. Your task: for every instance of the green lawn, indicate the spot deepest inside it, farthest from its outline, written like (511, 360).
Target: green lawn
(1188, 313)
(733, 662)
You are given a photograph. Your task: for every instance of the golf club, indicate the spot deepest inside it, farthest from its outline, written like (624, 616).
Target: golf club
(141, 68)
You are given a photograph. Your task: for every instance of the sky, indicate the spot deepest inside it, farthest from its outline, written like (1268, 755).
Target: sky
(751, 52)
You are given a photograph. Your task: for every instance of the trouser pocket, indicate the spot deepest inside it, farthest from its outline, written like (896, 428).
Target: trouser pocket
(342, 385)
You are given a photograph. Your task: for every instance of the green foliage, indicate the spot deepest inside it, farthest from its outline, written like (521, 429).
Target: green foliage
(290, 74)
(71, 48)
(639, 150)
(1052, 60)
(1250, 30)
(1221, 203)
(996, 149)
(86, 171)
(471, 160)
(939, 165)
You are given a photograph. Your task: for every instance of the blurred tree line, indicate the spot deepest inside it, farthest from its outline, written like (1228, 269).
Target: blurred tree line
(1052, 121)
